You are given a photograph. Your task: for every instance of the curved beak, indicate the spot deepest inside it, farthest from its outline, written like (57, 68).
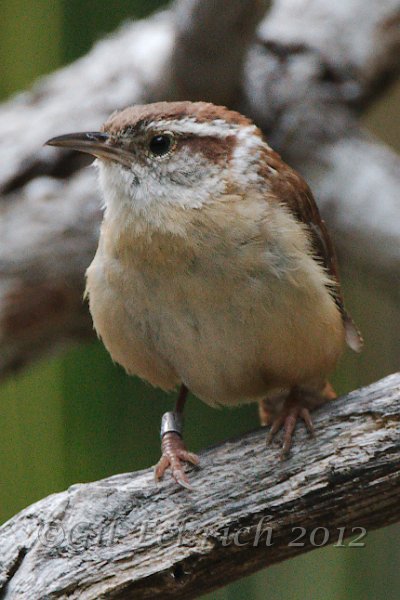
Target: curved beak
(93, 142)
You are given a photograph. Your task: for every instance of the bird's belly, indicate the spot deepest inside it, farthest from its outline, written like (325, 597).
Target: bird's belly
(122, 321)
(228, 340)
(232, 345)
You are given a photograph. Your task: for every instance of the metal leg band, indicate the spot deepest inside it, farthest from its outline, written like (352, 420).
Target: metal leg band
(171, 421)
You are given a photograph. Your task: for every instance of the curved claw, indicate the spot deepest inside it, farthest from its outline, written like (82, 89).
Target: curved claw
(288, 420)
(174, 454)
(185, 484)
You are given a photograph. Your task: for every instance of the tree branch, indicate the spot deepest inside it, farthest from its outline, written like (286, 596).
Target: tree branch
(211, 42)
(126, 537)
(357, 49)
(358, 180)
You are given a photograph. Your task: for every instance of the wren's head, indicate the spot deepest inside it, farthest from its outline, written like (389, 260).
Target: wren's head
(171, 153)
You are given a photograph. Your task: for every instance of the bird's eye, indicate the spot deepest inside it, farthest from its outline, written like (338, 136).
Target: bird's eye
(161, 144)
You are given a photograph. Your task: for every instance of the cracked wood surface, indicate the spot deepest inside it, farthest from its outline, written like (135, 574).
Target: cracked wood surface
(127, 537)
(305, 75)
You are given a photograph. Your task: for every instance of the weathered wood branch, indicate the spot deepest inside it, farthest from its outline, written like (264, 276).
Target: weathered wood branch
(211, 41)
(127, 537)
(312, 68)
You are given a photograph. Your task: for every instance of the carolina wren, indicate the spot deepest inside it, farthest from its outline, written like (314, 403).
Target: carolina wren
(214, 270)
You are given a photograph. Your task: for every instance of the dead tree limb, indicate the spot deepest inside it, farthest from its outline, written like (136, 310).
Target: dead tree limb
(210, 46)
(305, 76)
(127, 537)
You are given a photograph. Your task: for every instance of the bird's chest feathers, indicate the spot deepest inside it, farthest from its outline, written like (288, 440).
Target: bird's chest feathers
(228, 263)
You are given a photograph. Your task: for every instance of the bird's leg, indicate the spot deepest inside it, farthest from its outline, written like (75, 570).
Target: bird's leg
(173, 449)
(328, 393)
(264, 412)
(296, 406)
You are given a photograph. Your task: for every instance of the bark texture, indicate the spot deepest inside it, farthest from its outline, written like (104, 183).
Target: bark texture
(305, 74)
(127, 537)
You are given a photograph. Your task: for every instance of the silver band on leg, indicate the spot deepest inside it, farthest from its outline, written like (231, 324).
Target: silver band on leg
(171, 421)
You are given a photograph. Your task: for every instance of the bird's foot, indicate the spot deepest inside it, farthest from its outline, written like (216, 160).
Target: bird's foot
(293, 409)
(174, 454)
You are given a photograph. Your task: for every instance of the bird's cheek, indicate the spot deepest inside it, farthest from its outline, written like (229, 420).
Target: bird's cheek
(116, 182)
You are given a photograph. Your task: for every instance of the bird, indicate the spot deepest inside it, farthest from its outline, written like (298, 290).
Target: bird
(214, 272)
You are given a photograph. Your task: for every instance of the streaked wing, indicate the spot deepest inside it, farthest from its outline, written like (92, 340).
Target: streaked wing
(292, 190)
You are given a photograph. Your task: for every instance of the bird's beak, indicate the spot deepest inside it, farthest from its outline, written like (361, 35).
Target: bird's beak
(93, 142)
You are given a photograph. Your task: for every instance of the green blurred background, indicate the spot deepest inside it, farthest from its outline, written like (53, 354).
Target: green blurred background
(78, 417)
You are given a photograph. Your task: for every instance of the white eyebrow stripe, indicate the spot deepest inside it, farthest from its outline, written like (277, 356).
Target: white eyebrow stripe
(218, 127)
